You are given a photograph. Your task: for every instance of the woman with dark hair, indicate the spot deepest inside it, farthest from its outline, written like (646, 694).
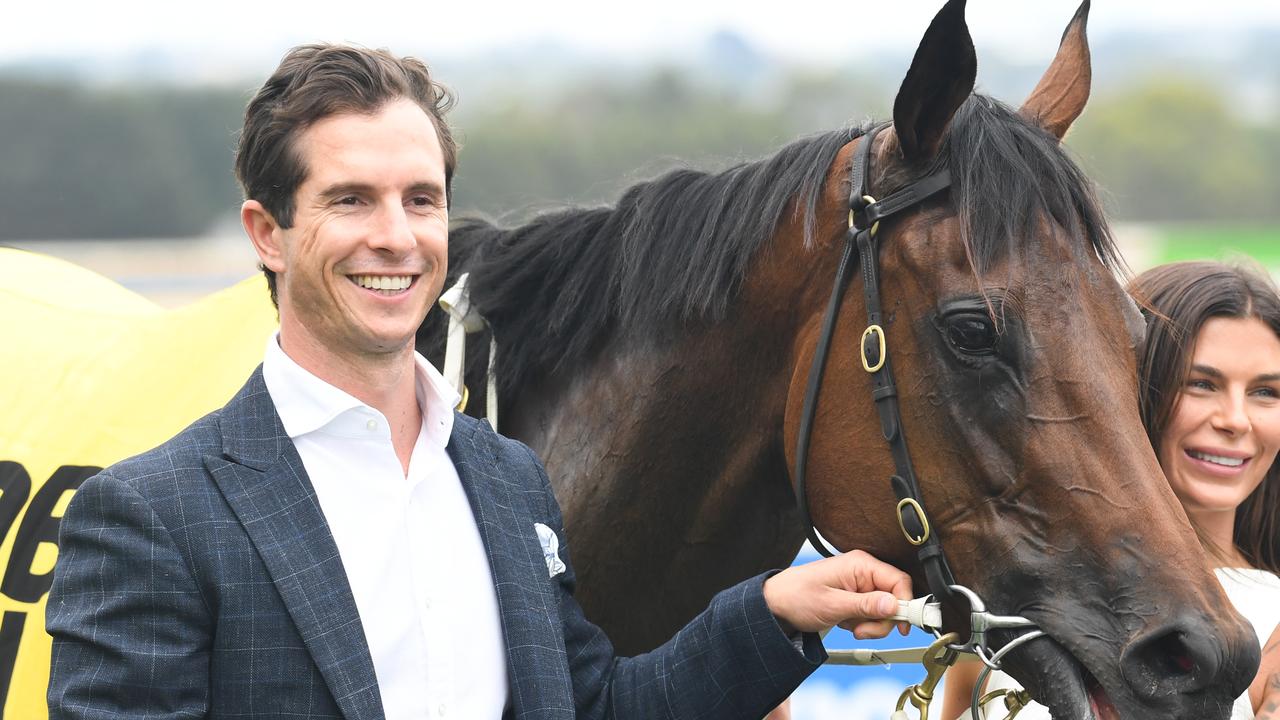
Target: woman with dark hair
(1209, 393)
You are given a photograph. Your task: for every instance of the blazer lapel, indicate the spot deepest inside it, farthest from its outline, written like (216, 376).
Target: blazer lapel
(266, 485)
(528, 608)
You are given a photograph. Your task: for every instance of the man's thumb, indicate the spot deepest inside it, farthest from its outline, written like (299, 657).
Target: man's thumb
(877, 605)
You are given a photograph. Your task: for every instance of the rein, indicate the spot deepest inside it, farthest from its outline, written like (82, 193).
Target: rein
(865, 214)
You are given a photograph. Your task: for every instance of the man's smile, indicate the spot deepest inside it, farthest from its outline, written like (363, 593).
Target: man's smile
(384, 284)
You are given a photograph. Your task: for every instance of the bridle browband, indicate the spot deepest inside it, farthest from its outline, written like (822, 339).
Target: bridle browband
(865, 214)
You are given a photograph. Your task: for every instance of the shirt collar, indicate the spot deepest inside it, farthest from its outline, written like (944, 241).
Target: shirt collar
(306, 403)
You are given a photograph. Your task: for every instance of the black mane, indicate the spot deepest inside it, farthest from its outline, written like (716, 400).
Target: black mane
(672, 249)
(677, 248)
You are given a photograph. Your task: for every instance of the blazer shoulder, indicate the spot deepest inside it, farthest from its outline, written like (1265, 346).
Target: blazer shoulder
(183, 454)
(184, 451)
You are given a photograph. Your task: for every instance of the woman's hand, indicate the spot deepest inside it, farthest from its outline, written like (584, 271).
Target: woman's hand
(1265, 690)
(1269, 708)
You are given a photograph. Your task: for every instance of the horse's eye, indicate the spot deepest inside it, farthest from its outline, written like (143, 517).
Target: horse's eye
(972, 334)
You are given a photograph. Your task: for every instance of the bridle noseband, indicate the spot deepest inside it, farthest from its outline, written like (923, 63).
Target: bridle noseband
(865, 214)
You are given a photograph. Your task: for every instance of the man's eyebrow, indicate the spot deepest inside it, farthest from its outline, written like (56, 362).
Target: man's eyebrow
(334, 192)
(338, 190)
(429, 187)
(1268, 377)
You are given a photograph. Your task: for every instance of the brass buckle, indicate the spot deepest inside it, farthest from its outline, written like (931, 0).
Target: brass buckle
(862, 348)
(462, 404)
(924, 521)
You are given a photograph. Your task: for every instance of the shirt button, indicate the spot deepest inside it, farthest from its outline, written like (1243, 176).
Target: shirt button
(372, 424)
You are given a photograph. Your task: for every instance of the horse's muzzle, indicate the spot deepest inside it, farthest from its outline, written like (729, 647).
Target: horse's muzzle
(1188, 656)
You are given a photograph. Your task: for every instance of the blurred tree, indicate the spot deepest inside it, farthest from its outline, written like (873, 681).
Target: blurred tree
(120, 163)
(155, 161)
(1169, 149)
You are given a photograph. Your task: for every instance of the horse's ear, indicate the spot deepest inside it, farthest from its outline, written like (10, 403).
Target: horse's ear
(941, 77)
(1060, 97)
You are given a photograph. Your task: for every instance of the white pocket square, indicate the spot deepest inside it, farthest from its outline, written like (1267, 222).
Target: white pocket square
(550, 549)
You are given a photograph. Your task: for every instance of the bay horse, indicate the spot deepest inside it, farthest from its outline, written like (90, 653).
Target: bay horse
(655, 354)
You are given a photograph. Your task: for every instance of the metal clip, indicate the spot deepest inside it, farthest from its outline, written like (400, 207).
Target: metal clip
(937, 659)
(1014, 701)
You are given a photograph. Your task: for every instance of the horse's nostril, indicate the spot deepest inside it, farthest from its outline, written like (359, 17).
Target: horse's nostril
(1172, 660)
(1173, 651)
(1182, 663)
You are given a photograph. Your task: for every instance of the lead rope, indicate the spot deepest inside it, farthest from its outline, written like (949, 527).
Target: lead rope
(465, 319)
(937, 658)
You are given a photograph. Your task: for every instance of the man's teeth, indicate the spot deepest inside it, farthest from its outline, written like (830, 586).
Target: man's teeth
(383, 282)
(1216, 459)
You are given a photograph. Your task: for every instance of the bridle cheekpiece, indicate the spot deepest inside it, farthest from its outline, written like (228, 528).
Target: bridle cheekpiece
(865, 214)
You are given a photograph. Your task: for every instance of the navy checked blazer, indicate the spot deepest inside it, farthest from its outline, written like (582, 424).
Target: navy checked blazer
(200, 579)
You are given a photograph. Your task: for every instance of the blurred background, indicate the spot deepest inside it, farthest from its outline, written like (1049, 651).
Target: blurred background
(118, 122)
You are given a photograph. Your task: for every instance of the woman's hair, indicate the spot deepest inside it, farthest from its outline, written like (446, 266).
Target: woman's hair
(1178, 299)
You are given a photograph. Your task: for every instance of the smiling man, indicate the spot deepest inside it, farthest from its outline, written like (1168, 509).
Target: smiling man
(337, 542)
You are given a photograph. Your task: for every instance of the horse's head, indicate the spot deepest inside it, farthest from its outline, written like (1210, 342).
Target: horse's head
(1013, 346)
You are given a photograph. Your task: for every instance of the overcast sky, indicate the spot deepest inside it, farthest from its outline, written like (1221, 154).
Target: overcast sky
(803, 29)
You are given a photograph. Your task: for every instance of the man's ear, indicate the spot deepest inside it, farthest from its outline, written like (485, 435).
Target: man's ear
(263, 231)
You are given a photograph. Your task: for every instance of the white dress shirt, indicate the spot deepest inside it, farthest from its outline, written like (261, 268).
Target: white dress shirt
(409, 544)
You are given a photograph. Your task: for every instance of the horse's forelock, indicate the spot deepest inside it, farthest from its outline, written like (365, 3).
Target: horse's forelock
(1009, 176)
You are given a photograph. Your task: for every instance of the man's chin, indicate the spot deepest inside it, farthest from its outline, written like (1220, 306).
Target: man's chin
(389, 345)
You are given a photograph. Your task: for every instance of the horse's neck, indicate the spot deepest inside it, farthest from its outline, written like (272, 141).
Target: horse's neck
(669, 469)
(667, 421)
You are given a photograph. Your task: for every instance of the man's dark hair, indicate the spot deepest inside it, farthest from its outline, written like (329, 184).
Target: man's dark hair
(311, 83)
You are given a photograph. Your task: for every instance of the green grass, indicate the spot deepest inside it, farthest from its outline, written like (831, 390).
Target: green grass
(1220, 243)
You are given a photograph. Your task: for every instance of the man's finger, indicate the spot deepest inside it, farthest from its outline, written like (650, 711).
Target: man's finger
(871, 629)
(887, 577)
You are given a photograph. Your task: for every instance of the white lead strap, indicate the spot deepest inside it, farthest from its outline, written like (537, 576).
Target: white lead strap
(920, 612)
(464, 319)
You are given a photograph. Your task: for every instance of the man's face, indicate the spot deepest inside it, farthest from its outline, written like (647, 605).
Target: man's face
(368, 249)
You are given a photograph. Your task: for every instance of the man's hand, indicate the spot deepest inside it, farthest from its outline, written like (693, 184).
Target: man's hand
(854, 591)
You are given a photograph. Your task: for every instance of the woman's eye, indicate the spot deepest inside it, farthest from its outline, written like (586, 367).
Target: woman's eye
(1200, 384)
(972, 334)
(1267, 392)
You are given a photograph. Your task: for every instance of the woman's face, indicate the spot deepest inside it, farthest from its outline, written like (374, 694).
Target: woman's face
(1225, 428)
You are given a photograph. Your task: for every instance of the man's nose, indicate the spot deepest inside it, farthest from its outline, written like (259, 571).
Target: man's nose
(391, 230)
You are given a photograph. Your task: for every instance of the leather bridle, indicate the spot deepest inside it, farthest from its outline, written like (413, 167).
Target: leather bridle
(865, 214)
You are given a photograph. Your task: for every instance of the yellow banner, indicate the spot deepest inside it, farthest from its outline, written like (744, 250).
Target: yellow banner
(91, 373)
